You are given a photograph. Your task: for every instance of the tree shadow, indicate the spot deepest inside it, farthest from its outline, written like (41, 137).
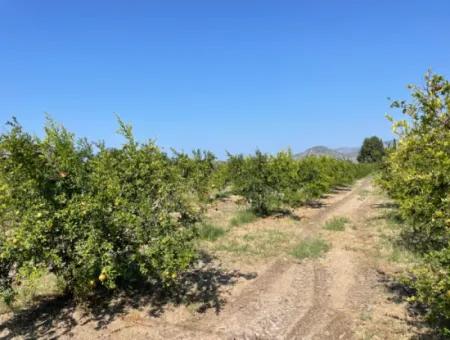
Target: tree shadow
(385, 205)
(315, 204)
(400, 292)
(339, 189)
(40, 320)
(283, 213)
(388, 212)
(54, 316)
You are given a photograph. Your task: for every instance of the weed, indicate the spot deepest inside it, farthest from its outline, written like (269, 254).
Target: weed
(336, 223)
(243, 217)
(261, 243)
(210, 232)
(310, 248)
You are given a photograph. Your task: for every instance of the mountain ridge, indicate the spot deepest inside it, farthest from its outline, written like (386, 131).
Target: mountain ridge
(349, 153)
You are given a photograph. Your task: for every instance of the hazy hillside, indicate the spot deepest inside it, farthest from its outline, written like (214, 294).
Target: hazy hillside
(339, 153)
(349, 152)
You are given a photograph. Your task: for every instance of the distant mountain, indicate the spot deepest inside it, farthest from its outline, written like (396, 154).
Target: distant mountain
(349, 153)
(339, 153)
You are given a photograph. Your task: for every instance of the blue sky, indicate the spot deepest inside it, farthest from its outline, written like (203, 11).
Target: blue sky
(218, 75)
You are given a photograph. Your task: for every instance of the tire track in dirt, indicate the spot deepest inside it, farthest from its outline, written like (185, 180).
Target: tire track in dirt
(270, 309)
(291, 296)
(331, 318)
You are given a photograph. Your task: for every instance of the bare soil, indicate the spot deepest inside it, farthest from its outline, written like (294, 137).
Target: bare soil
(250, 287)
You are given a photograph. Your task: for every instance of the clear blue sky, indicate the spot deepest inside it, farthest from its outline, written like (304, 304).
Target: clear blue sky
(218, 75)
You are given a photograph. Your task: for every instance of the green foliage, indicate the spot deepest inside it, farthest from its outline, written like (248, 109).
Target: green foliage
(432, 284)
(252, 178)
(94, 219)
(417, 171)
(417, 175)
(336, 223)
(243, 217)
(98, 217)
(220, 180)
(197, 171)
(372, 150)
(270, 183)
(310, 248)
(210, 232)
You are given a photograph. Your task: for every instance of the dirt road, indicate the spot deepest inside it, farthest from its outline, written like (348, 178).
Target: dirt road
(341, 295)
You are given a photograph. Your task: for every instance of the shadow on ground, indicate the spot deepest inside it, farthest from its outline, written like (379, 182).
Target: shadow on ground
(340, 189)
(53, 317)
(399, 293)
(385, 205)
(283, 213)
(316, 204)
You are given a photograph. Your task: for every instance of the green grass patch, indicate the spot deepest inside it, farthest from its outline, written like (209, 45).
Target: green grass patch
(310, 248)
(210, 232)
(336, 223)
(243, 217)
(261, 243)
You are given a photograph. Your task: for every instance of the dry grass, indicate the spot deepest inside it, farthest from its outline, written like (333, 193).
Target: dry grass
(248, 237)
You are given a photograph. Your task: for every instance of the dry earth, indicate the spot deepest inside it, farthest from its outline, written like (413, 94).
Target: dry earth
(258, 290)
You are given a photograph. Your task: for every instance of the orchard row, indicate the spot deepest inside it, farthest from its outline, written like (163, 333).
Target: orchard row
(100, 218)
(417, 176)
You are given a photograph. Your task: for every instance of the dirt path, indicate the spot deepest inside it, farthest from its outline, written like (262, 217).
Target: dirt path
(288, 299)
(299, 300)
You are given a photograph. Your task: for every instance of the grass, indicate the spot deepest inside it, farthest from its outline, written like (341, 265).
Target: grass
(363, 194)
(366, 315)
(40, 284)
(210, 232)
(243, 217)
(310, 248)
(235, 247)
(390, 244)
(336, 223)
(261, 243)
(391, 248)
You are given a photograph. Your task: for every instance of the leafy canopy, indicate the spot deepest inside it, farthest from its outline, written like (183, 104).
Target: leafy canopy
(94, 216)
(372, 150)
(417, 175)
